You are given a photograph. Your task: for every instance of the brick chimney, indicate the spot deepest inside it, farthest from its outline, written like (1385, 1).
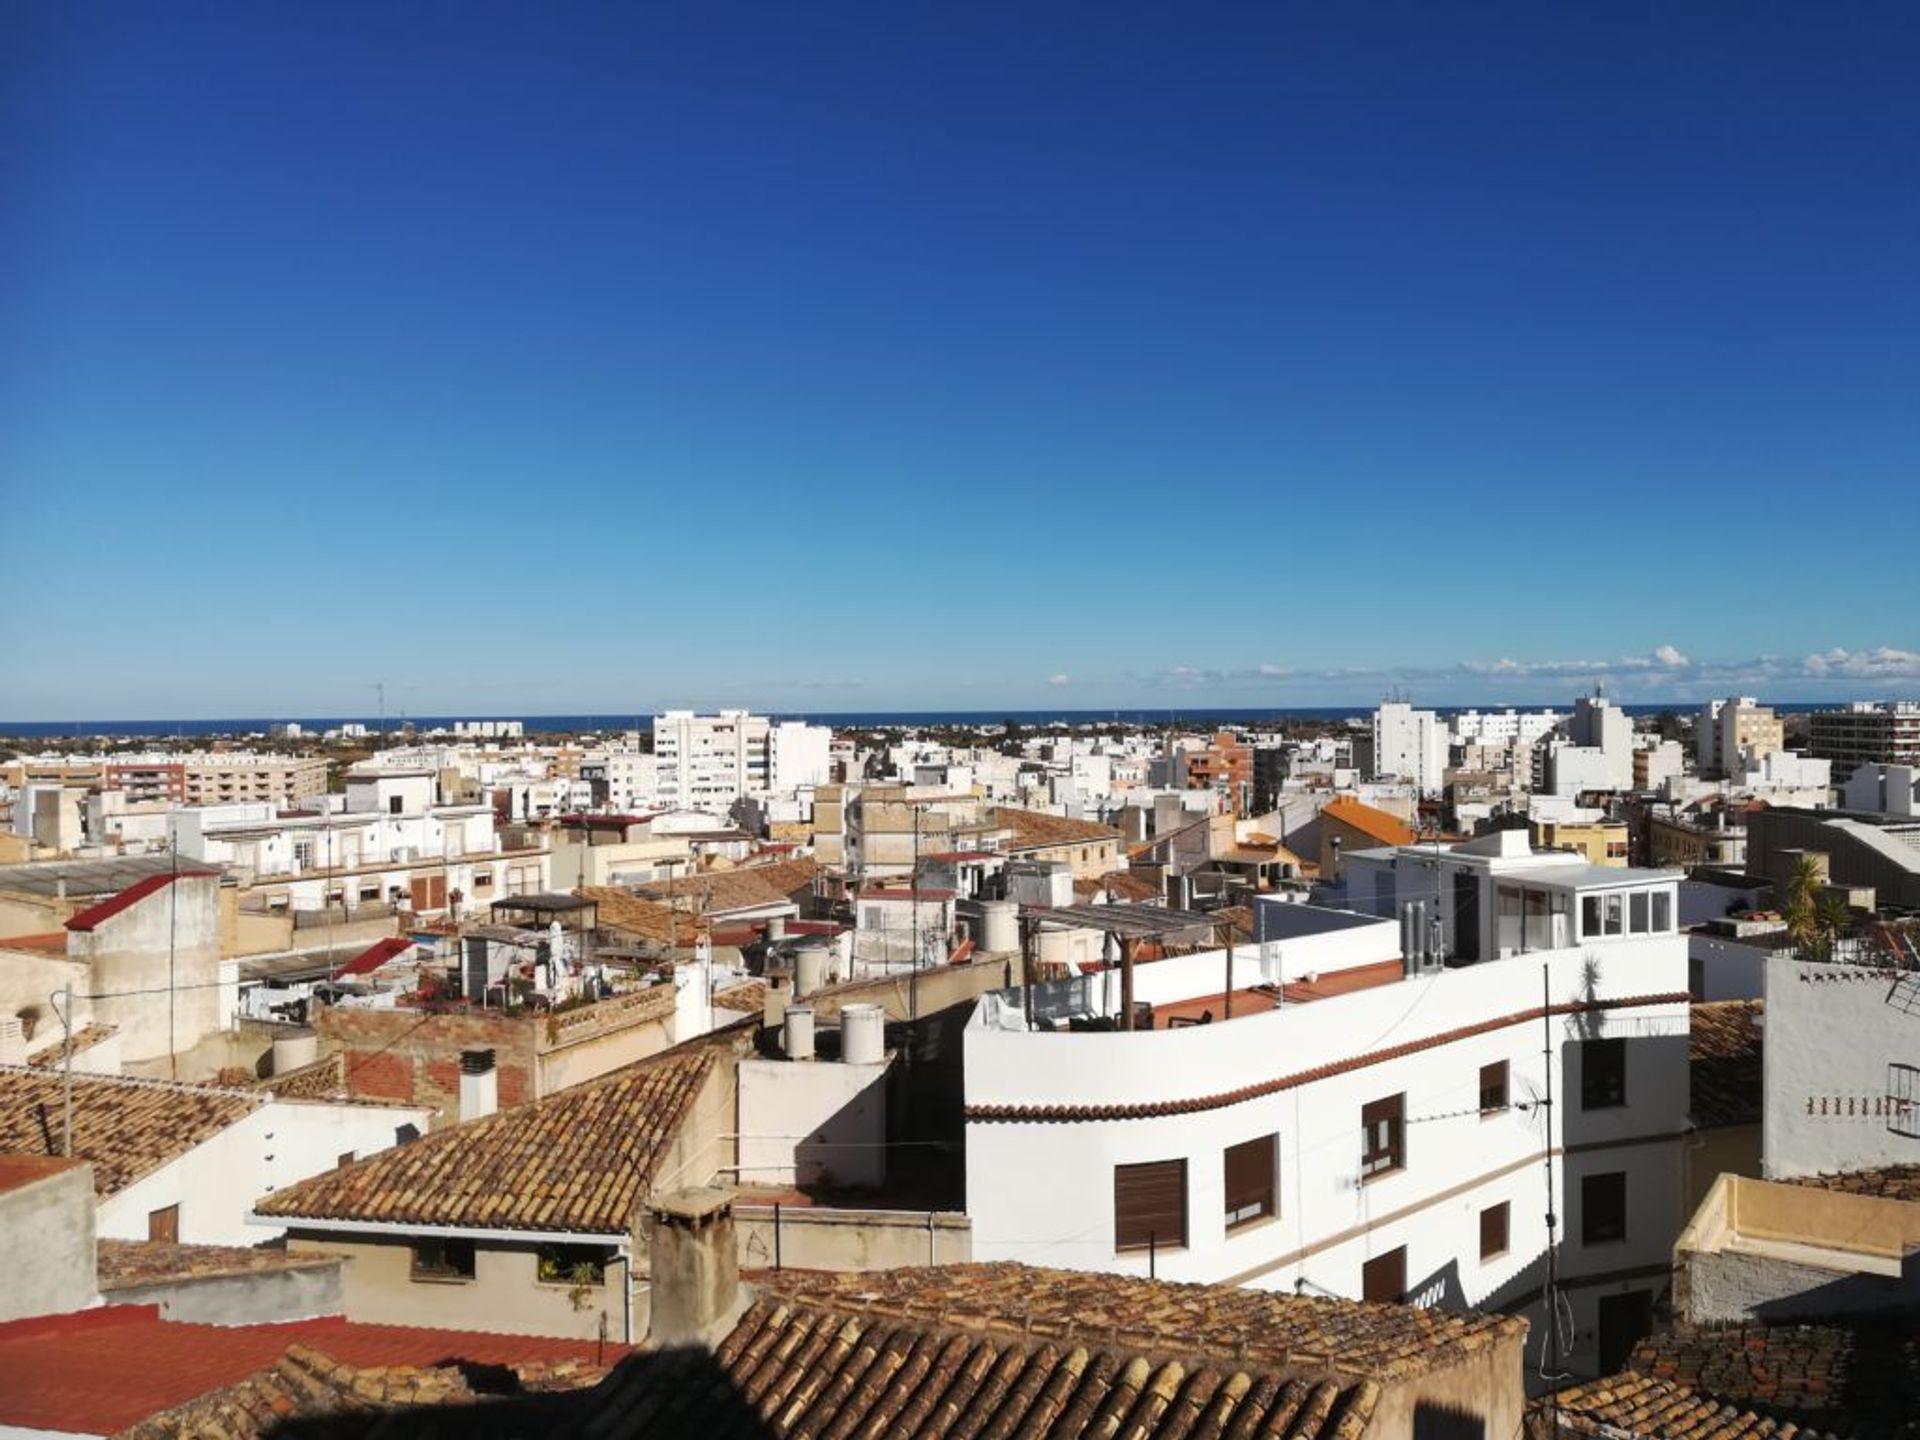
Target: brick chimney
(693, 1262)
(479, 1084)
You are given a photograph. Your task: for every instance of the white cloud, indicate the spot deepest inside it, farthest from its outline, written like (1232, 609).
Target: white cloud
(1671, 657)
(1062, 679)
(1882, 663)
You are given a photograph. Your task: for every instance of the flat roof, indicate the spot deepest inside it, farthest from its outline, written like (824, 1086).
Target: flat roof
(550, 902)
(93, 877)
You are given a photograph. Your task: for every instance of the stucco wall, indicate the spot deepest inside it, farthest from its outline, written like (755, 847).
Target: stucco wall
(269, 1298)
(1837, 1039)
(168, 941)
(505, 1295)
(812, 1123)
(46, 1244)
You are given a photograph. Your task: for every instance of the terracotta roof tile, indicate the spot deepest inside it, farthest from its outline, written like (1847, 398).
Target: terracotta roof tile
(129, 1264)
(749, 998)
(576, 1162)
(1034, 830)
(1375, 824)
(1859, 1381)
(99, 1371)
(128, 1128)
(749, 886)
(1889, 1182)
(1723, 1050)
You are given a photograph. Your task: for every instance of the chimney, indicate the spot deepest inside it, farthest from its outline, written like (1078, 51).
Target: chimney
(693, 1264)
(479, 1084)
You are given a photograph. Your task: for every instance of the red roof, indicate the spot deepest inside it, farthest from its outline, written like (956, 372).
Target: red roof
(375, 955)
(91, 917)
(99, 1371)
(53, 943)
(19, 1170)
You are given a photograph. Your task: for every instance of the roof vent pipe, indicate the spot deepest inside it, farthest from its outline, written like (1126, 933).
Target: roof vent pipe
(798, 1032)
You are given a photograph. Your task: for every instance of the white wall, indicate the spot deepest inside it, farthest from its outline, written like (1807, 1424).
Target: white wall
(806, 1122)
(216, 1184)
(1840, 1041)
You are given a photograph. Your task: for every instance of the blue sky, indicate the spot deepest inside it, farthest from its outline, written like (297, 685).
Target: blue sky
(599, 357)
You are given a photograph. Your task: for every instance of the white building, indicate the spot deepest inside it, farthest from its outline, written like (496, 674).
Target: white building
(706, 762)
(1599, 724)
(1371, 1119)
(1409, 744)
(1884, 790)
(1495, 727)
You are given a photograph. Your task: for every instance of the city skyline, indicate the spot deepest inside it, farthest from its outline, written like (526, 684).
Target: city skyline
(538, 360)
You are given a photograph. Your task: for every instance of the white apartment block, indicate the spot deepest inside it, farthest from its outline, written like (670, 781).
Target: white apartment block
(706, 762)
(1370, 1118)
(1510, 727)
(1411, 745)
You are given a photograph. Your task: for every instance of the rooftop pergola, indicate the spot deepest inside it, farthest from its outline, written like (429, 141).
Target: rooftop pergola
(1125, 927)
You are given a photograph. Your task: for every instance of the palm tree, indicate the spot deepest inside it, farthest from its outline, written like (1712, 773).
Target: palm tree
(1835, 918)
(1799, 905)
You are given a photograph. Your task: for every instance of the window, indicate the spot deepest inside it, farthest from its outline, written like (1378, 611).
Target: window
(1603, 1208)
(1637, 912)
(369, 894)
(444, 1259)
(163, 1226)
(1384, 1278)
(1252, 1171)
(1589, 916)
(1383, 1136)
(1493, 1231)
(303, 854)
(1493, 1086)
(1603, 1074)
(393, 804)
(1662, 911)
(1613, 909)
(572, 1265)
(1150, 1205)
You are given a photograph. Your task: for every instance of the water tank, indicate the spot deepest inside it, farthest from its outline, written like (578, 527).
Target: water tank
(863, 1034)
(290, 1052)
(799, 1032)
(999, 926)
(810, 968)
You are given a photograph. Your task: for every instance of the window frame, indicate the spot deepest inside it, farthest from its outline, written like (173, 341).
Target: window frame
(1391, 1157)
(455, 1252)
(1262, 1151)
(1603, 1089)
(1612, 1234)
(1495, 1081)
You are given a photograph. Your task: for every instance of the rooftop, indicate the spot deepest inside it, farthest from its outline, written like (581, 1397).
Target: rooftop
(1256, 1000)
(1889, 1182)
(1034, 830)
(130, 1264)
(1723, 1051)
(128, 1128)
(96, 915)
(83, 878)
(19, 1171)
(1376, 825)
(576, 1163)
(100, 1371)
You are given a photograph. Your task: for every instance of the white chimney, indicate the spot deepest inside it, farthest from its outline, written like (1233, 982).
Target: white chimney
(479, 1084)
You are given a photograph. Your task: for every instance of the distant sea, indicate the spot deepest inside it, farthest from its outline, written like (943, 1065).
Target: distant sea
(845, 720)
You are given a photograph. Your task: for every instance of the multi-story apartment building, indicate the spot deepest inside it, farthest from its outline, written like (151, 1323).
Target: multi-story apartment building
(1225, 766)
(211, 778)
(1866, 734)
(1409, 744)
(706, 762)
(1730, 734)
(1368, 1108)
(1495, 727)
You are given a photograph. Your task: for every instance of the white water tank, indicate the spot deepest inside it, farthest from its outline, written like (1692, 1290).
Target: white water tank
(810, 968)
(863, 1035)
(999, 926)
(290, 1052)
(799, 1032)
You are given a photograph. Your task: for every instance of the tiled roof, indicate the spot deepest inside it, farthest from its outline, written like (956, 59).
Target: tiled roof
(1889, 1182)
(1859, 1381)
(1342, 1339)
(1375, 824)
(1128, 887)
(646, 919)
(749, 998)
(85, 1038)
(800, 1368)
(1723, 1048)
(1034, 830)
(576, 1162)
(129, 1264)
(94, 915)
(98, 1371)
(127, 1128)
(747, 887)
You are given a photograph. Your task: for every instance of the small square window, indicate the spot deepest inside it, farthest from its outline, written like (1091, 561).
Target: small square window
(1384, 1278)
(1493, 1086)
(443, 1259)
(1493, 1231)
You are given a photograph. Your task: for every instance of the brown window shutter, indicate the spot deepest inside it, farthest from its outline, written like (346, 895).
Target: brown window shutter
(1384, 1277)
(1150, 1205)
(1250, 1172)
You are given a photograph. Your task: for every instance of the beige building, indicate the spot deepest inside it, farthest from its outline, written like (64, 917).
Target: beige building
(1602, 842)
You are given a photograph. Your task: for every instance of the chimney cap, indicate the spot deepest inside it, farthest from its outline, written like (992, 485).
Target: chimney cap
(700, 1203)
(476, 1062)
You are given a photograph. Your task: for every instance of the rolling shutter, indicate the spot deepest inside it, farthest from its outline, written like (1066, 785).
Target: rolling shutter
(1150, 1205)
(1250, 1171)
